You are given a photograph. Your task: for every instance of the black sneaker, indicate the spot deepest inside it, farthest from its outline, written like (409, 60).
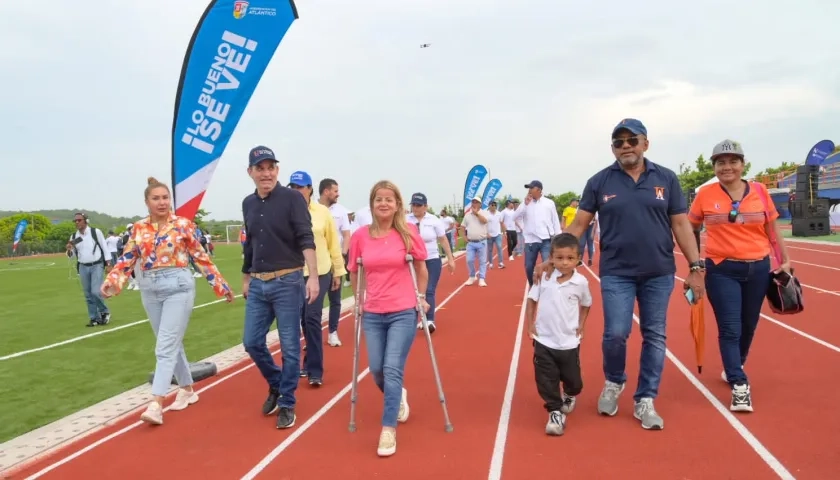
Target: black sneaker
(286, 417)
(105, 319)
(741, 399)
(270, 405)
(315, 381)
(93, 323)
(303, 373)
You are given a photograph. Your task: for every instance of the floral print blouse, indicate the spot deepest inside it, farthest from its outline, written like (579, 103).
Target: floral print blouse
(168, 245)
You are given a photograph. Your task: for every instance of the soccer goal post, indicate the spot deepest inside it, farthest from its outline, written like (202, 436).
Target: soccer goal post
(232, 233)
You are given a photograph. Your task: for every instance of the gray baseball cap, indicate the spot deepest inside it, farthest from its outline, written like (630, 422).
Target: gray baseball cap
(727, 147)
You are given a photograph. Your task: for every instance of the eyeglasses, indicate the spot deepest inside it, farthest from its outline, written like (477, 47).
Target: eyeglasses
(733, 214)
(619, 142)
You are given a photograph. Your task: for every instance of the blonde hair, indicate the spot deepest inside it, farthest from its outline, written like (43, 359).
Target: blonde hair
(399, 224)
(153, 183)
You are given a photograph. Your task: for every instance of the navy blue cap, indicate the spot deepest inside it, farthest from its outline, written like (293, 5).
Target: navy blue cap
(419, 199)
(534, 183)
(260, 153)
(632, 125)
(301, 179)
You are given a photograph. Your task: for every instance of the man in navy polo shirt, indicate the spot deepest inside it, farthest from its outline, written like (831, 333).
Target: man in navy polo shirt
(641, 209)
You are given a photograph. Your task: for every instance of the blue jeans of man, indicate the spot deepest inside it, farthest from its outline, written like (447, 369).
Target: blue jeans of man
(168, 296)
(620, 294)
(434, 266)
(310, 320)
(543, 249)
(279, 298)
(736, 291)
(520, 244)
(587, 242)
(92, 277)
(334, 297)
(497, 243)
(389, 337)
(477, 251)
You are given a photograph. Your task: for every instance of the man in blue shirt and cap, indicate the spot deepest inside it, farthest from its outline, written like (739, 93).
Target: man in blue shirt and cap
(641, 209)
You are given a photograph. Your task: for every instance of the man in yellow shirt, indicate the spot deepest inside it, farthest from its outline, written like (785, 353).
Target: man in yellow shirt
(330, 271)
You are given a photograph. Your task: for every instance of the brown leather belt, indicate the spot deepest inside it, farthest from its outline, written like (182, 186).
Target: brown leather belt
(275, 274)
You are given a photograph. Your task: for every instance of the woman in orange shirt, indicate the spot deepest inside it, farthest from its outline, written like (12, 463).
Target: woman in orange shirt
(163, 244)
(739, 218)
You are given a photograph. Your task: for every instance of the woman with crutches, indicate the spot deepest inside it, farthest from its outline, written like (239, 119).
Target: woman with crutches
(389, 301)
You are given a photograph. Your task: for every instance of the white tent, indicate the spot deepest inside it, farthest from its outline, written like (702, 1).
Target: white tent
(709, 182)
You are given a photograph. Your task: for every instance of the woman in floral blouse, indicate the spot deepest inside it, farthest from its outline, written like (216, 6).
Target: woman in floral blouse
(162, 244)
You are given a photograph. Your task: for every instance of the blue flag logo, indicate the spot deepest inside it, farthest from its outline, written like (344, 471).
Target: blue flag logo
(490, 191)
(819, 152)
(474, 179)
(19, 231)
(229, 51)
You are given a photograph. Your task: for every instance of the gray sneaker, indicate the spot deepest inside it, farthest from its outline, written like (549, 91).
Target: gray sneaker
(644, 412)
(608, 401)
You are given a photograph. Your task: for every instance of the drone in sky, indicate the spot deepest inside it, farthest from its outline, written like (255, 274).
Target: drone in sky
(425, 45)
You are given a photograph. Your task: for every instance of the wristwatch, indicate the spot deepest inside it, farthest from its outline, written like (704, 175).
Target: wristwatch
(697, 266)
(421, 295)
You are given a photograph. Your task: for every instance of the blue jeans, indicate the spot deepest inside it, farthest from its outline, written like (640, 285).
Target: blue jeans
(92, 277)
(542, 249)
(310, 320)
(495, 242)
(450, 235)
(736, 291)
(334, 297)
(587, 242)
(389, 337)
(619, 296)
(279, 298)
(520, 244)
(168, 295)
(477, 251)
(434, 267)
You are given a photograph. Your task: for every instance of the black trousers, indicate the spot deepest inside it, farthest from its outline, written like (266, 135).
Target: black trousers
(555, 367)
(511, 241)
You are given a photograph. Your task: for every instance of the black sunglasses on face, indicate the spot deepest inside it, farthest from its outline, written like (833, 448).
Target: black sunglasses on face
(619, 142)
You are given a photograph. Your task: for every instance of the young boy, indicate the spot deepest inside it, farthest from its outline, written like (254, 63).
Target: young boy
(557, 328)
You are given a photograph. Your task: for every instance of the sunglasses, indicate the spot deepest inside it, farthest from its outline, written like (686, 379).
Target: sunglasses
(619, 142)
(733, 213)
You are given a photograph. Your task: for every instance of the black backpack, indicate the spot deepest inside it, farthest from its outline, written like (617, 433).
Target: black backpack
(95, 246)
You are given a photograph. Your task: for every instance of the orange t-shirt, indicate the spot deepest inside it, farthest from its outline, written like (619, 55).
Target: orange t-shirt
(746, 238)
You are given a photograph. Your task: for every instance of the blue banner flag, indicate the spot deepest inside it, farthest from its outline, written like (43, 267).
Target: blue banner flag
(490, 191)
(227, 55)
(19, 231)
(819, 152)
(474, 179)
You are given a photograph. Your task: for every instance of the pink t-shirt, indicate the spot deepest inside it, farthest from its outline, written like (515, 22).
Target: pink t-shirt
(388, 284)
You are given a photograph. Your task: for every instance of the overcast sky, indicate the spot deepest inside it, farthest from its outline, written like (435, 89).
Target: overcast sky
(531, 89)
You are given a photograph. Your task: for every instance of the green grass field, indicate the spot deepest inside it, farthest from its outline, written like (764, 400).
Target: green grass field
(42, 303)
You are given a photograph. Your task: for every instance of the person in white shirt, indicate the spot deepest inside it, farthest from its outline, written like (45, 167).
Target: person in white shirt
(474, 229)
(449, 225)
(328, 197)
(87, 244)
(433, 233)
(540, 222)
(364, 217)
(495, 225)
(556, 313)
(509, 221)
(111, 246)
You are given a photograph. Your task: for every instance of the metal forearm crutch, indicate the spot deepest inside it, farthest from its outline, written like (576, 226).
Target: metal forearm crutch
(447, 424)
(357, 336)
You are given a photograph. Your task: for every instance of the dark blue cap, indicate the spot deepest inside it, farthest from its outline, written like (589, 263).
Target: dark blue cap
(419, 199)
(534, 183)
(632, 125)
(301, 179)
(260, 153)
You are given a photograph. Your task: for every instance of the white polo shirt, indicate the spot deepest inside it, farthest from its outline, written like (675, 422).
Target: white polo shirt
(341, 220)
(540, 220)
(558, 311)
(509, 219)
(430, 228)
(494, 224)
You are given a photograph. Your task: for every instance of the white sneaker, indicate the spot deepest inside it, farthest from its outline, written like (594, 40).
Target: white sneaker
(153, 414)
(333, 340)
(387, 443)
(197, 275)
(184, 399)
(402, 416)
(470, 281)
(510, 258)
(482, 283)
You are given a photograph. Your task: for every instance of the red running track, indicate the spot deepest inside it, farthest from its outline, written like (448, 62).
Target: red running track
(484, 357)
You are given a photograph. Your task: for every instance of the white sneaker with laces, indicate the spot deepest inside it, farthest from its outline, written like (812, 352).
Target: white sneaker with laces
(184, 399)
(153, 414)
(482, 283)
(333, 340)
